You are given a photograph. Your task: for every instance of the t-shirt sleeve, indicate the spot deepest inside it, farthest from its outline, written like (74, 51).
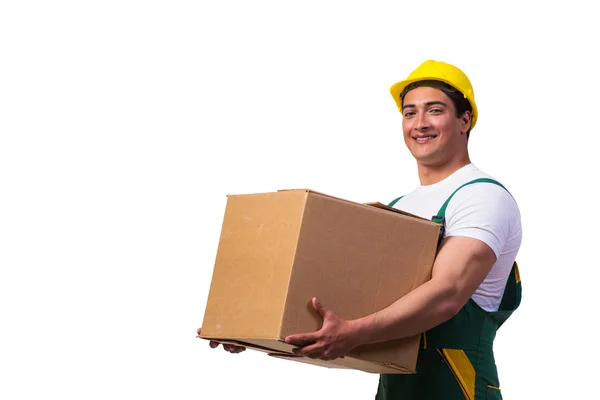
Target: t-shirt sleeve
(482, 211)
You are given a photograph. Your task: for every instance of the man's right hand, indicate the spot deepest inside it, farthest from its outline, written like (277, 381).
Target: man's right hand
(227, 347)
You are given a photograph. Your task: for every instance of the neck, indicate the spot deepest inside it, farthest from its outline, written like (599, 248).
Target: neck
(430, 174)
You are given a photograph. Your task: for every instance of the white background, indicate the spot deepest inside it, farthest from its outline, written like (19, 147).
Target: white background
(124, 125)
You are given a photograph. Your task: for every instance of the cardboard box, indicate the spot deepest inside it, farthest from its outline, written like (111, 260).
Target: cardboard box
(278, 250)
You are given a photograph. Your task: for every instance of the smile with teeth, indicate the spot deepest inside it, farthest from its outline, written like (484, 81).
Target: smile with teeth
(424, 138)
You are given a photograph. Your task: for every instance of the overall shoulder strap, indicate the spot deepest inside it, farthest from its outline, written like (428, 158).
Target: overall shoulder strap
(394, 201)
(442, 212)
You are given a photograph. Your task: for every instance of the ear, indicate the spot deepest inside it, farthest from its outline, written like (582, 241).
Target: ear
(465, 122)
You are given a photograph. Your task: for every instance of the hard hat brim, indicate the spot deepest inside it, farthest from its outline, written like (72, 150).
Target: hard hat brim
(398, 87)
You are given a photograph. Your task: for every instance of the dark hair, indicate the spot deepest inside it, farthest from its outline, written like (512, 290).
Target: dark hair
(461, 104)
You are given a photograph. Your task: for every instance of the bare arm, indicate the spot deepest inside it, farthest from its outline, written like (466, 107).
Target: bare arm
(460, 266)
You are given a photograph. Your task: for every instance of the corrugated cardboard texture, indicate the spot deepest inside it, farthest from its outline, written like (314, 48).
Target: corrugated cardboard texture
(253, 264)
(345, 256)
(278, 250)
(357, 260)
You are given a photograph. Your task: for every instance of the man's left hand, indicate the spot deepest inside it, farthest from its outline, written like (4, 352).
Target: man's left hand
(336, 337)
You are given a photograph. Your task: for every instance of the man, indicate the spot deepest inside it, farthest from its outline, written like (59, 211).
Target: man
(475, 283)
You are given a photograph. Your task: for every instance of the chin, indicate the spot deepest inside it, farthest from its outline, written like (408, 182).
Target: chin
(428, 160)
(423, 157)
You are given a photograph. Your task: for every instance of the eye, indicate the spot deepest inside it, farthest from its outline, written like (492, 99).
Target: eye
(436, 111)
(408, 114)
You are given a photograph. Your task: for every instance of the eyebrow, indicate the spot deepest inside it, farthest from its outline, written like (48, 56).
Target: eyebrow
(428, 104)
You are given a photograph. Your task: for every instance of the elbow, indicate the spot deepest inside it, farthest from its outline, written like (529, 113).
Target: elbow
(451, 299)
(448, 310)
(449, 307)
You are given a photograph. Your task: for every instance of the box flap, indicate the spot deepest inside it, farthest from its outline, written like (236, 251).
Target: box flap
(396, 210)
(306, 360)
(372, 204)
(342, 362)
(248, 345)
(376, 204)
(348, 363)
(294, 190)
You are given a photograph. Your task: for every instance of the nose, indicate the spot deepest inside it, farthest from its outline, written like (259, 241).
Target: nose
(422, 122)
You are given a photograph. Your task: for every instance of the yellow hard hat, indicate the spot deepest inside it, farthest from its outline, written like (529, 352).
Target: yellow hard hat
(438, 71)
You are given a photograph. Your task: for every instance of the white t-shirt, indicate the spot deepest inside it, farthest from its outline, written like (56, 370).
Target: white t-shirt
(483, 211)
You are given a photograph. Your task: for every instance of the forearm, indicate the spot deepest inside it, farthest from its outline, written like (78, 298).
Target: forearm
(424, 308)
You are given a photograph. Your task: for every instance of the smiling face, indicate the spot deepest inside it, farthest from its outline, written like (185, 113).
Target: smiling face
(433, 133)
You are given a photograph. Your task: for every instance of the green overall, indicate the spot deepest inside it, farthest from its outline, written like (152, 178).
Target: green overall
(456, 359)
